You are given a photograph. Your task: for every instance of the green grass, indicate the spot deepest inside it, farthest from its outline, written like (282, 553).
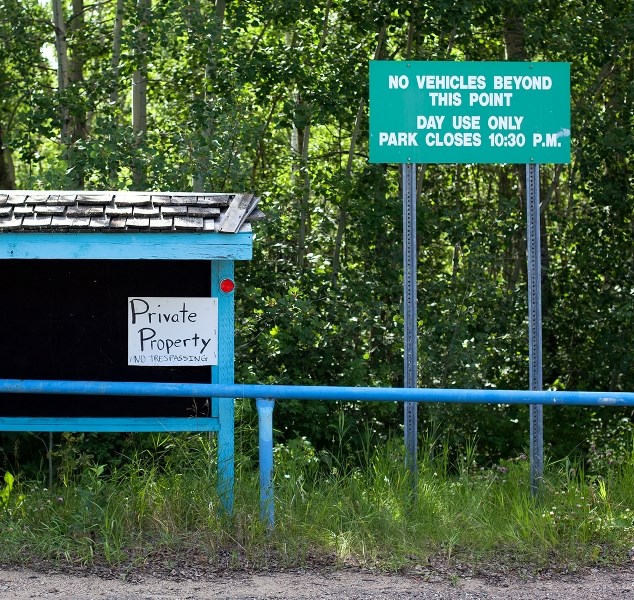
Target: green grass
(163, 502)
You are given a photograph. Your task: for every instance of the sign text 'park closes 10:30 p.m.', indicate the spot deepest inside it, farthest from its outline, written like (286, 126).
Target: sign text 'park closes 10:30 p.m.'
(469, 112)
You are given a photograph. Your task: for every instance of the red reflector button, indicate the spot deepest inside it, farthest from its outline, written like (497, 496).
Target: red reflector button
(227, 286)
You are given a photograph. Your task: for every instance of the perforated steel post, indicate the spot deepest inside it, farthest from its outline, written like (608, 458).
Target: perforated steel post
(534, 324)
(409, 307)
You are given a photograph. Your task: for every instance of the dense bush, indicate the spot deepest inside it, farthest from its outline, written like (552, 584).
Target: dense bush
(272, 97)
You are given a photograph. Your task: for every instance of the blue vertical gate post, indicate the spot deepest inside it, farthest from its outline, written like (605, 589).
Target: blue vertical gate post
(533, 251)
(223, 373)
(265, 435)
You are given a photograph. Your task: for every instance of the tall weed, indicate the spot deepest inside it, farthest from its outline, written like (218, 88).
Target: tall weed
(360, 509)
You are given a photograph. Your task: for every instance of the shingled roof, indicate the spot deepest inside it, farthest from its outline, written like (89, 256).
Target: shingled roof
(27, 210)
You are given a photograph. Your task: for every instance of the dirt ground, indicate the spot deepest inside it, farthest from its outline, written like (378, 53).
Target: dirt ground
(343, 584)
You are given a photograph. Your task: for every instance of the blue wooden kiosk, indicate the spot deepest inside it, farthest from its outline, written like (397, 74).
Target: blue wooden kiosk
(140, 226)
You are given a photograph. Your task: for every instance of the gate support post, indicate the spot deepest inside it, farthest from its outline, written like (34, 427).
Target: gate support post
(410, 341)
(223, 373)
(265, 438)
(533, 251)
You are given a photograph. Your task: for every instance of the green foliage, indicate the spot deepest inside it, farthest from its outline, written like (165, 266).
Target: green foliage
(273, 100)
(5, 492)
(365, 512)
(10, 501)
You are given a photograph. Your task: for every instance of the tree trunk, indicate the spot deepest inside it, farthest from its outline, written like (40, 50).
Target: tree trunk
(515, 50)
(61, 49)
(200, 174)
(302, 150)
(116, 52)
(304, 191)
(343, 211)
(77, 121)
(139, 103)
(260, 155)
(514, 261)
(514, 42)
(139, 93)
(514, 46)
(115, 61)
(7, 172)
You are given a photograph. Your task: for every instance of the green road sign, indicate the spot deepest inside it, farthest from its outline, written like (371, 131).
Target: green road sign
(469, 112)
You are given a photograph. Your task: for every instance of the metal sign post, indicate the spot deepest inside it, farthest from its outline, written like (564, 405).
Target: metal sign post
(431, 112)
(533, 252)
(410, 317)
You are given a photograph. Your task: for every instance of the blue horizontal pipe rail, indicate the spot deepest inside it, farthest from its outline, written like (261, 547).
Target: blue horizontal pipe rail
(317, 392)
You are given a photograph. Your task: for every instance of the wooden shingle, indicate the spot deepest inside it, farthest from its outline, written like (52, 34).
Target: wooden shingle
(25, 210)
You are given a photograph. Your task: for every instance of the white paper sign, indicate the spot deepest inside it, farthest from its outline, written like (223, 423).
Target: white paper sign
(172, 331)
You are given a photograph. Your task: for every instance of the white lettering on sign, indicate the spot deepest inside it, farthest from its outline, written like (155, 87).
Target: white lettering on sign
(465, 112)
(451, 82)
(490, 99)
(445, 98)
(519, 82)
(398, 138)
(549, 140)
(464, 140)
(466, 121)
(510, 122)
(430, 122)
(398, 82)
(172, 330)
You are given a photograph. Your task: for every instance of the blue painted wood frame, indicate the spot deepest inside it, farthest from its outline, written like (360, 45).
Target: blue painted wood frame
(109, 424)
(223, 373)
(126, 245)
(218, 248)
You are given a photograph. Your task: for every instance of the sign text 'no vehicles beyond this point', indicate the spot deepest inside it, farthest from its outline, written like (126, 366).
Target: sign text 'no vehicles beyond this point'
(469, 112)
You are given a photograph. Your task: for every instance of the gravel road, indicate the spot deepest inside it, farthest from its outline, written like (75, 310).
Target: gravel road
(591, 584)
